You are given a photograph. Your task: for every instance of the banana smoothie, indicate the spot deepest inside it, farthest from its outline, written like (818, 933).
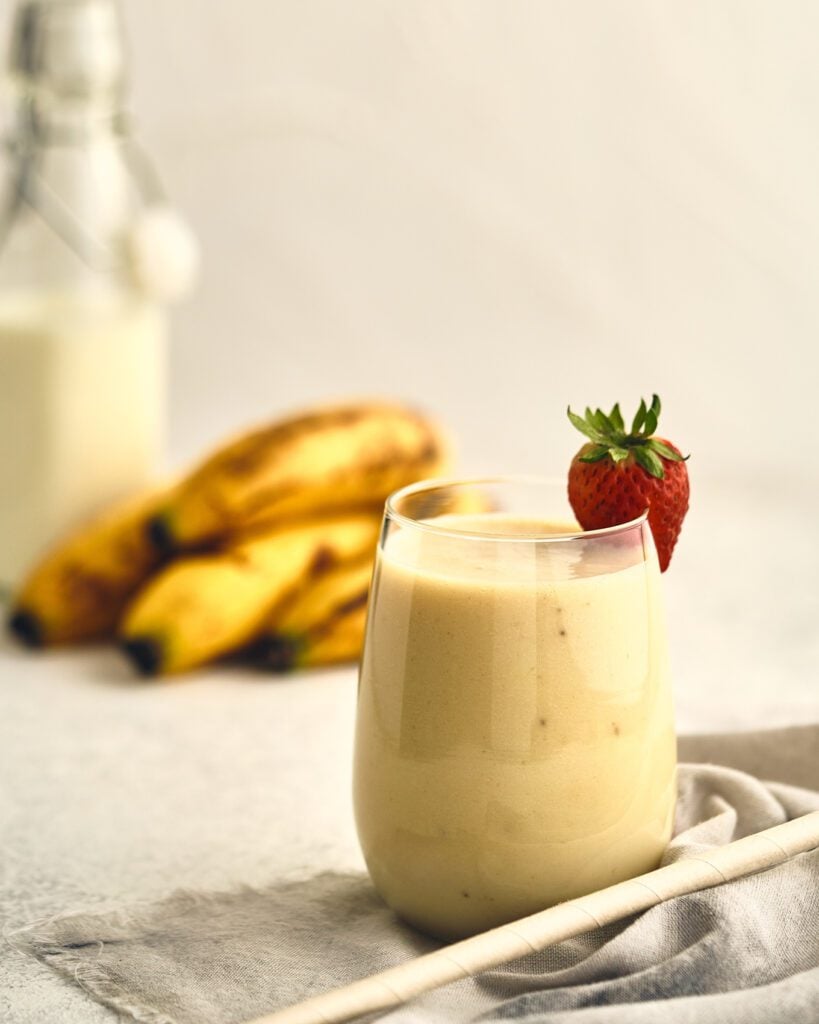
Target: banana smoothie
(515, 744)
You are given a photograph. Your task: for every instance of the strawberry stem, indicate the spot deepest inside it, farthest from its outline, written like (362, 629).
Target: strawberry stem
(610, 439)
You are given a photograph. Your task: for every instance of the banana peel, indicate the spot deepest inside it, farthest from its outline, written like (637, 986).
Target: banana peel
(79, 590)
(340, 639)
(206, 606)
(333, 458)
(320, 625)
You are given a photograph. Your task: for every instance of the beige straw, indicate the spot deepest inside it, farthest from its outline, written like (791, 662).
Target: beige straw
(530, 934)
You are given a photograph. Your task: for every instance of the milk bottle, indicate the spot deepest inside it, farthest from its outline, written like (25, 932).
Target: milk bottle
(82, 330)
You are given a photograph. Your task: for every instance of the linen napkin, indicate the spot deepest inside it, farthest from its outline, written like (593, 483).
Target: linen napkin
(745, 952)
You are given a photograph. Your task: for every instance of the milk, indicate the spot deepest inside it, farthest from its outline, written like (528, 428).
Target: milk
(82, 380)
(514, 742)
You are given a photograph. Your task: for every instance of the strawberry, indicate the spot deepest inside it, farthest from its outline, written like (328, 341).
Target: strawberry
(617, 475)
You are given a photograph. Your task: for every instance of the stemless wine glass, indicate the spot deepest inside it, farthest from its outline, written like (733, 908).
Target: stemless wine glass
(514, 740)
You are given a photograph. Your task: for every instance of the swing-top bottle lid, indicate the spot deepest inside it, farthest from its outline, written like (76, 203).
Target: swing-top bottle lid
(69, 48)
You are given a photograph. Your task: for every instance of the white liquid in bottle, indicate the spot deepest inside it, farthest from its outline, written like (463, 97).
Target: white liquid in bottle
(81, 412)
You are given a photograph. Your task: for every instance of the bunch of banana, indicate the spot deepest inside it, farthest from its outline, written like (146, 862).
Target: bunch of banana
(263, 541)
(203, 607)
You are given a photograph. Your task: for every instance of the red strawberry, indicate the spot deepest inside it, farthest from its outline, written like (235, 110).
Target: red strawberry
(618, 475)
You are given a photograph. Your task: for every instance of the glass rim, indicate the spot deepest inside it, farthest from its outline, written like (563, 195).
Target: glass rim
(528, 479)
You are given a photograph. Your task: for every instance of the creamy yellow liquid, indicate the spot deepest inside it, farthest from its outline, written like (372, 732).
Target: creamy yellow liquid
(81, 413)
(515, 743)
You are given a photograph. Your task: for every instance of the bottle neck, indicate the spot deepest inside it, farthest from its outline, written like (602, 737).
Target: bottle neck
(71, 197)
(66, 123)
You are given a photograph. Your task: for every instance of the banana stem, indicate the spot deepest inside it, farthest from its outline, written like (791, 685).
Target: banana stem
(397, 985)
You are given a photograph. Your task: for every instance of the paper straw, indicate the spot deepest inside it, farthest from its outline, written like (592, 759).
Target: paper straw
(397, 985)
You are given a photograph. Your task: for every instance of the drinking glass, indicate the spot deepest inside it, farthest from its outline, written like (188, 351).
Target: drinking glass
(514, 739)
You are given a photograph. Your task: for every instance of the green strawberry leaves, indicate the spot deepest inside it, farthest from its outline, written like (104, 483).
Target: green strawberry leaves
(663, 449)
(595, 454)
(645, 421)
(609, 437)
(650, 461)
(585, 428)
(640, 418)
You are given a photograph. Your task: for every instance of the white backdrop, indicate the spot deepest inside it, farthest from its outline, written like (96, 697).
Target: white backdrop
(495, 208)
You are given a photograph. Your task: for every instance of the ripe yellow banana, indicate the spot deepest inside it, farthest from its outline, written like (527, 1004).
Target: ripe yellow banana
(81, 587)
(339, 639)
(205, 606)
(291, 634)
(336, 591)
(333, 458)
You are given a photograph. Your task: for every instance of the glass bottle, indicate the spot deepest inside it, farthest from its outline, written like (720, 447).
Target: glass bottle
(82, 338)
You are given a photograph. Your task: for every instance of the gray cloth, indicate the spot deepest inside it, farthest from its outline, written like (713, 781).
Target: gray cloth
(745, 952)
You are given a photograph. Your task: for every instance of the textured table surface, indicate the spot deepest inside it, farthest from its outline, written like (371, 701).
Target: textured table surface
(118, 791)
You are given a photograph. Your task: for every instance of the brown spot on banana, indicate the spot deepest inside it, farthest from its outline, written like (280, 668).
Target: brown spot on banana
(78, 591)
(324, 559)
(359, 601)
(325, 460)
(253, 450)
(202, 608)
